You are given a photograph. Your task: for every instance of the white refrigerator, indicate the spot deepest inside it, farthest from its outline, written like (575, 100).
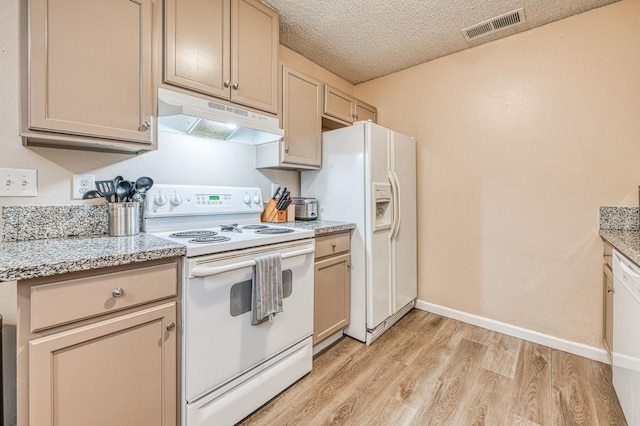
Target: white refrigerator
(368, 177)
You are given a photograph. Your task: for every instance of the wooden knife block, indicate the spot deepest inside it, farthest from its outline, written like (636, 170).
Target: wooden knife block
(271, 214)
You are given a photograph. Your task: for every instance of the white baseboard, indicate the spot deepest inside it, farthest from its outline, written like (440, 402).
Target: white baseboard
(580, 349)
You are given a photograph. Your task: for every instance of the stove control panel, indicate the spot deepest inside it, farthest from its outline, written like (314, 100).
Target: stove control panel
(187, 200)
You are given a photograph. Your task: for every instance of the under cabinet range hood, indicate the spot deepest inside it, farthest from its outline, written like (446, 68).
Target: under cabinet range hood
(178, 112)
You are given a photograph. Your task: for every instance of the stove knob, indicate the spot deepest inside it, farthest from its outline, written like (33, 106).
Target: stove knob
(256, 198)
(246, 199)
(176, 200)
(160, 200)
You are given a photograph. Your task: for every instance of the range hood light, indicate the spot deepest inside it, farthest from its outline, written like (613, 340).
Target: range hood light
(195, 116)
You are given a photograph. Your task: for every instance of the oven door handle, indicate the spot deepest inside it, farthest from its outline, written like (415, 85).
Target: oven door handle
(206, 271)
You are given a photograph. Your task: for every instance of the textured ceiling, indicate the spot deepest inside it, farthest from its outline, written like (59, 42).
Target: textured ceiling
(363, 39)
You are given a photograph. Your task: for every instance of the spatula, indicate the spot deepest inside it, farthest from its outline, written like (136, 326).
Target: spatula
(106, 188)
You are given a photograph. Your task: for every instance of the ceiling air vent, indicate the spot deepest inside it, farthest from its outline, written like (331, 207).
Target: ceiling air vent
(494, 24)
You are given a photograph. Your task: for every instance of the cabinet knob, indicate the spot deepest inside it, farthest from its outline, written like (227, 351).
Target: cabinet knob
(117, 292)
(606, 255)
(286, 149)
(349, 265)
(144, 126)
(226, 84)
(610, 290)
(171, 326)
(235, 86)
(333, 246)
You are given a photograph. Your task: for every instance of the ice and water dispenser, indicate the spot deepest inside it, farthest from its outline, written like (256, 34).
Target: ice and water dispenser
(382, 214)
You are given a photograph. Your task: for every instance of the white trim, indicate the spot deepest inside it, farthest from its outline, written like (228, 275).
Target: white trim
(580, 349)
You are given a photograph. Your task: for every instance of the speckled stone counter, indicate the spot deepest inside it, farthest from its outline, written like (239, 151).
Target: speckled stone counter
(40, 258)
(320, 226)
(626, 242)
(620, 226)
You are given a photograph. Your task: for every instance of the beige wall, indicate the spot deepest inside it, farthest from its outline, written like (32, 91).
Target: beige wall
(519, 142)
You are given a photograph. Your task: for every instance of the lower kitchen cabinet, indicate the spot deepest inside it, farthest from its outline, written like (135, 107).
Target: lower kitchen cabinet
(115, 372)
(107, 363)
(332, 285)
(607, 301)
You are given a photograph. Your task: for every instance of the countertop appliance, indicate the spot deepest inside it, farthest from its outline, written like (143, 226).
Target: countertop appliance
(369, 178)
(229, 366)
(306, 208)
(626, 340)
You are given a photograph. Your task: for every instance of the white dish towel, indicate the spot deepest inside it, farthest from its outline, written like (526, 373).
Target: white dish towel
(266, 292)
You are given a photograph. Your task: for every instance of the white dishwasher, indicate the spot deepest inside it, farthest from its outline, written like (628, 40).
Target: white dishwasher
(626, 336)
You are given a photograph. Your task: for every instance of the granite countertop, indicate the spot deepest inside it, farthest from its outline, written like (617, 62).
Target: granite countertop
(626, 242)
(21, 260)
(320, 226)
(40, 258)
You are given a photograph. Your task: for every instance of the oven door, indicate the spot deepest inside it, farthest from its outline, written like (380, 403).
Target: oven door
(219, 341)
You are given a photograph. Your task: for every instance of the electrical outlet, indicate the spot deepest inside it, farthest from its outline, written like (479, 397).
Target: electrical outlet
(274, 187)
(82, 184)
(18, 182)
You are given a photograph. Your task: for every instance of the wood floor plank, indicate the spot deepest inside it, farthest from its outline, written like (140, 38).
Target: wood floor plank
(532, 384)
(451, 393)
(429, 370)
(502, 356)
(488, 401)
(579, 397)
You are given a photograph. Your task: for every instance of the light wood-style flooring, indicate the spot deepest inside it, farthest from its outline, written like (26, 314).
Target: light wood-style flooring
(431, 370)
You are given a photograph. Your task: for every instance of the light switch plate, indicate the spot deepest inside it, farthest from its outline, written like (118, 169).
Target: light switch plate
(18, 182)
(82, 184)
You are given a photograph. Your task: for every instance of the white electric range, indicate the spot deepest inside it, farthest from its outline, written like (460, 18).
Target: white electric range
(229, 366)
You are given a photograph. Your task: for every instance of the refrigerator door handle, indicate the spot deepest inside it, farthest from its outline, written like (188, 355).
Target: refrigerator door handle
(395, 190)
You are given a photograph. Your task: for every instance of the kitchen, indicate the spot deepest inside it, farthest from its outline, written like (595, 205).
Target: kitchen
(519, 142)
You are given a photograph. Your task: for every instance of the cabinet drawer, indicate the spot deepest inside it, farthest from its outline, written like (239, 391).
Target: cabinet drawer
(327, 245)
(66, 301)
(607, 254)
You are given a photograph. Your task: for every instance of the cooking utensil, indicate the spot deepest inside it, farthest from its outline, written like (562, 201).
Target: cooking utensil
(143, 184)
(92, 193)
(106, 188)
(275, 194)
(122, 190)
(117, 180)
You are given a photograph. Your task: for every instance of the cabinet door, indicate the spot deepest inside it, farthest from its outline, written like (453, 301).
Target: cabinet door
(338, 104)
(254, 55)
(331, 296)
(301, 105)
(120, 371)
(365, 112)
(607, 309)
(198, 45)
(90, 68)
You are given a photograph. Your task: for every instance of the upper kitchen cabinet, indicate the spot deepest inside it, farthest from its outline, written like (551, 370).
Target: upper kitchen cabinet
(340, 109)
(365, 112)
(88, 73)
(224, 48)
(301, 116)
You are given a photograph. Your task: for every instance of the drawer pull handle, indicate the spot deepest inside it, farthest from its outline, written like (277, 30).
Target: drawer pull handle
(171, 326)
(333, 246)
(117, 292)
